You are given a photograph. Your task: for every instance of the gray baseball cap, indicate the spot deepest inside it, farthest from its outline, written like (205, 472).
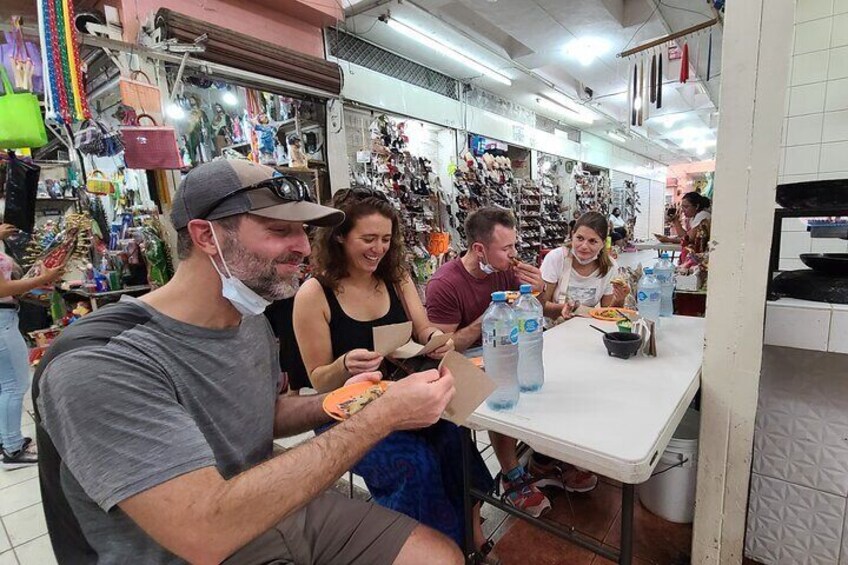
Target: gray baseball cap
(212, 191)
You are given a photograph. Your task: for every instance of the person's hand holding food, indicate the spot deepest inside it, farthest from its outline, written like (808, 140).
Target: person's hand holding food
(7, 230)
(418, 400)
(359, 361)
(569, 309)
(528, 274)
(49, 276)
(620, 290)
(443, 350)
(372, 377)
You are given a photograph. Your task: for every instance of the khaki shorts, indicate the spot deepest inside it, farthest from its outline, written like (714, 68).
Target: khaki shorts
(332, 529)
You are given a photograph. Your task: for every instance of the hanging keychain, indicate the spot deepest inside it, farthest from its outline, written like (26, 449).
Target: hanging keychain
(710, 55)
(659, 80)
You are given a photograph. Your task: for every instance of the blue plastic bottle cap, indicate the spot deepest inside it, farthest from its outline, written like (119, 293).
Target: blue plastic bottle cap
(665, 255)
(525, 289)
(649, 271)
(498, 297)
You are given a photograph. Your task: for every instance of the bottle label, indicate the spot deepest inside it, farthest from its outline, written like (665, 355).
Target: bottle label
(513, 335)
(499, 337)
(529, 326)
(641, 296)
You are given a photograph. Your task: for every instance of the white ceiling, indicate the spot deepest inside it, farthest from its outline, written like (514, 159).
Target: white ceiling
(525, 40)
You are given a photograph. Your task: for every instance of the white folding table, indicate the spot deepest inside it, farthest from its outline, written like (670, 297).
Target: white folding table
(611, 416)
(672, 248)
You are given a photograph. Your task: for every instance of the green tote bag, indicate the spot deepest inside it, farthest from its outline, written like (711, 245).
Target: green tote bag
(21, 124)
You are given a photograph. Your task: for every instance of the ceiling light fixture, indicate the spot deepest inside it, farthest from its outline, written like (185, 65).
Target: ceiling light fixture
(616, 136)
(426, 40)
(174, 111)
(586, 49)
(577, 113)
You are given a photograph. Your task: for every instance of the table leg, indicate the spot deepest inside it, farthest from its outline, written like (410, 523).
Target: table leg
(467, 501)
(627, 500)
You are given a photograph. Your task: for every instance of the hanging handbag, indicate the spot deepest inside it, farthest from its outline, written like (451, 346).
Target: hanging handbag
(21, 124)
(94, 138)
(150, 147)
(143, 96)
(97, 183)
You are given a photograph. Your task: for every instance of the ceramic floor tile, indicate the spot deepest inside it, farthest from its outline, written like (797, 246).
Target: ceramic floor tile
(36, 552)
(793, 525)
(591, 513)
(493, 518)
(525, 543)
(19, 496)
(654, 539)
(8, 558)
(25, 525)
(15, 476)
(5, 544)
(604, 561)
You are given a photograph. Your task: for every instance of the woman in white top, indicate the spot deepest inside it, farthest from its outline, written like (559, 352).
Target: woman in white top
(17, 450)
(618, 227)
(581, 272)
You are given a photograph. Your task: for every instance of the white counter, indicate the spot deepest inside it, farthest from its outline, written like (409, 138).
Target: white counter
(803, 324)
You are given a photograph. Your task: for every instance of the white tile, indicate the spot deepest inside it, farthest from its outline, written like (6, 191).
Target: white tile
(793, 244)
(801, 328)
(812, 36)
(803, 304)
(807, 99)
(791, 265)
(835, 127)
(840, 6)
(804, 130)
(13, 477)
(25, 525)
(833, 157)
(837, 175)
(838, 332)
(839, 35)
(793, 224)
(838, 66)
(791, 179)
(5, 544)
(36, 552)
(829, 245)
(802, 159)
(806, 10)
(19, 496)
(809, 68)
(8, 558)
(837, 95)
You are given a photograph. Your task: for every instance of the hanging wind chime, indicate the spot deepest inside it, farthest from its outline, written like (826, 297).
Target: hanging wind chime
(64, 91)
(645, 82)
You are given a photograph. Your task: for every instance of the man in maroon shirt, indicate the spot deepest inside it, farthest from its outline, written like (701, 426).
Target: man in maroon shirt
(458, 294)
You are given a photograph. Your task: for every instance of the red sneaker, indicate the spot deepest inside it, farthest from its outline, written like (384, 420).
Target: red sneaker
(525, 496)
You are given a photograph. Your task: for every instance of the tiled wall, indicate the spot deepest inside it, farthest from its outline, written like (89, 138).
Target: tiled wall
(814, 326)
(815, 131)
(799, 482)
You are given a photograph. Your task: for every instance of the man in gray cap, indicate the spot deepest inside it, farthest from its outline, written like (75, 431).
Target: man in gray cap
(155, 416)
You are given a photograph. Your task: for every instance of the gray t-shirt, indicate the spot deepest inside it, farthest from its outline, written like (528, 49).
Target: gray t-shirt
(159, 399)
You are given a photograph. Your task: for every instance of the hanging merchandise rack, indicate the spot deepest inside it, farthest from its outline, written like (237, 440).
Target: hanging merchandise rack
(409, 183)
(593, 189)
(555, 210)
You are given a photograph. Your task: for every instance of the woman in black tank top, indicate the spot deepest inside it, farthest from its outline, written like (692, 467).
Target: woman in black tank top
(361, 282)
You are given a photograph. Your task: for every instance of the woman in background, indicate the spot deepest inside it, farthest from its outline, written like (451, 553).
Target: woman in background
(18, 451)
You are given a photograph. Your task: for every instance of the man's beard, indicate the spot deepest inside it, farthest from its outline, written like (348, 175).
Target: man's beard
(260, 274)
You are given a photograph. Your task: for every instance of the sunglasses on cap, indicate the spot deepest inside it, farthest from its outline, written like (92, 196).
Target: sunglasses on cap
(284, 187)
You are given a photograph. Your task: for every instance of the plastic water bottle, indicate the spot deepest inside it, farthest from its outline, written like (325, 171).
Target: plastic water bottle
(664, 272)
(531, 318)
(649, 296)
(500, 352)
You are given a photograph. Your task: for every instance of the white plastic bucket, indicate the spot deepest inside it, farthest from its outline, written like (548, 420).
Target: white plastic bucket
(670, 492)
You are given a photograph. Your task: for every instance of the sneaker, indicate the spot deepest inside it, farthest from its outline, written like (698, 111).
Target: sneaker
(547, 474)
(578, 480)
(525, 496)
(24, 457)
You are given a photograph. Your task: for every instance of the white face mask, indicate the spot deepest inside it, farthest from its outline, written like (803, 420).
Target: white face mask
(584, 262)
(243, 299)
(486, 267)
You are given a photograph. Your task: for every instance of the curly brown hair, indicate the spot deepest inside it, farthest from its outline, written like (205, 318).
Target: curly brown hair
(328, 254)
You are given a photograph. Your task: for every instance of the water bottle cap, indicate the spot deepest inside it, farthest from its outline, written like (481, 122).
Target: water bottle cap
(498, 297)
(665, 255)
(525, 289)
(649, 271)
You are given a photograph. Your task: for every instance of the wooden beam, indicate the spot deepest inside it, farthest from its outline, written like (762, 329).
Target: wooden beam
(755, 75)
(669, 37)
